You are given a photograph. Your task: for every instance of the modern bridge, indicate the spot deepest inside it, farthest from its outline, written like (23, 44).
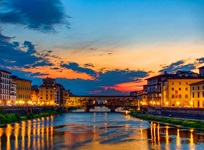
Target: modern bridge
(111, 102)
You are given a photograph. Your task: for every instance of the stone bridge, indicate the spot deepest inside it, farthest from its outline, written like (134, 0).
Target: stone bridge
(111, 102)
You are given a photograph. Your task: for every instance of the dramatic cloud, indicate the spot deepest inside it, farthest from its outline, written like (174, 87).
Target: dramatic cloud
(120, 76)
(179, 65)
(75, 67)
(41, 15)
(15, 54)
(104, 83)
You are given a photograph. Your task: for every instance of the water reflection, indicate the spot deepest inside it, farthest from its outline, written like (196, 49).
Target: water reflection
(31, 134)
(97, 131)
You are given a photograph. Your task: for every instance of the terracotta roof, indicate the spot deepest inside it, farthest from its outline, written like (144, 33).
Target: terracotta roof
(197, 83)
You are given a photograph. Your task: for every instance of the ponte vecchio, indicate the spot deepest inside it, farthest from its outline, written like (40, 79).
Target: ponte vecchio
(111, 102)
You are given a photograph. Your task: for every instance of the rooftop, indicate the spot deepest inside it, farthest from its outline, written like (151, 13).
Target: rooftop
(201, 67)
(162, 75)
(198, 83)
(5, 71)
(17, 78)
(186, 78)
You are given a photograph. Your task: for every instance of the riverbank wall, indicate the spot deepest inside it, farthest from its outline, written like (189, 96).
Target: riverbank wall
(23, 110)
(187, 113)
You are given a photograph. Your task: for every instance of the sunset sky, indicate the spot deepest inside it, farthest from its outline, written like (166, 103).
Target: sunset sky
(100, 47)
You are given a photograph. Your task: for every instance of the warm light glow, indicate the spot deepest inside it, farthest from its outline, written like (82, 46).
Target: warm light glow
(167, 103)
(178, 103)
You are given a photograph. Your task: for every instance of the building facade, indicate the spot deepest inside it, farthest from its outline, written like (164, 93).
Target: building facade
(154, 88)
(12, 92)
(61, 95)
(176, 91)
(4, 87)
(142, 97)
(35, 95)
(48, 92)
(23, 90)
(197, 94)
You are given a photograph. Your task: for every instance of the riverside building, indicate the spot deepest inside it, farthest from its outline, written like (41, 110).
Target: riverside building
(48, 92)
(23, 90)
(173, 90)
(4, 87)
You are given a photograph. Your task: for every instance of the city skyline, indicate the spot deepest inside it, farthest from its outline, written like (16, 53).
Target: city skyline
(100, 47)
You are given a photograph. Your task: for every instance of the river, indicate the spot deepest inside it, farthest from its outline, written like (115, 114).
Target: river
(97, 131)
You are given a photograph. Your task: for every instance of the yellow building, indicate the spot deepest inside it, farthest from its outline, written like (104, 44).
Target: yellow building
(197, 94)
(176, 91)
(48, 92)
(142, 97)
(35, 95)
(23, 90)
(47, 95)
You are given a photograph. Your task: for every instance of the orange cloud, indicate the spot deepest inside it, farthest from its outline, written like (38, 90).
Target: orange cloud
(61, 73)
(128, 86)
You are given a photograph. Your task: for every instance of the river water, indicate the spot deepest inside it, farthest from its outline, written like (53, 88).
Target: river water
(97, 131)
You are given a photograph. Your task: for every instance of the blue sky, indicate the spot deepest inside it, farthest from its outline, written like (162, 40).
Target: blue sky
(87, 44)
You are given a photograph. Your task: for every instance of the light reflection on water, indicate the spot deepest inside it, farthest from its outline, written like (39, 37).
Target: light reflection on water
(97, 131)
